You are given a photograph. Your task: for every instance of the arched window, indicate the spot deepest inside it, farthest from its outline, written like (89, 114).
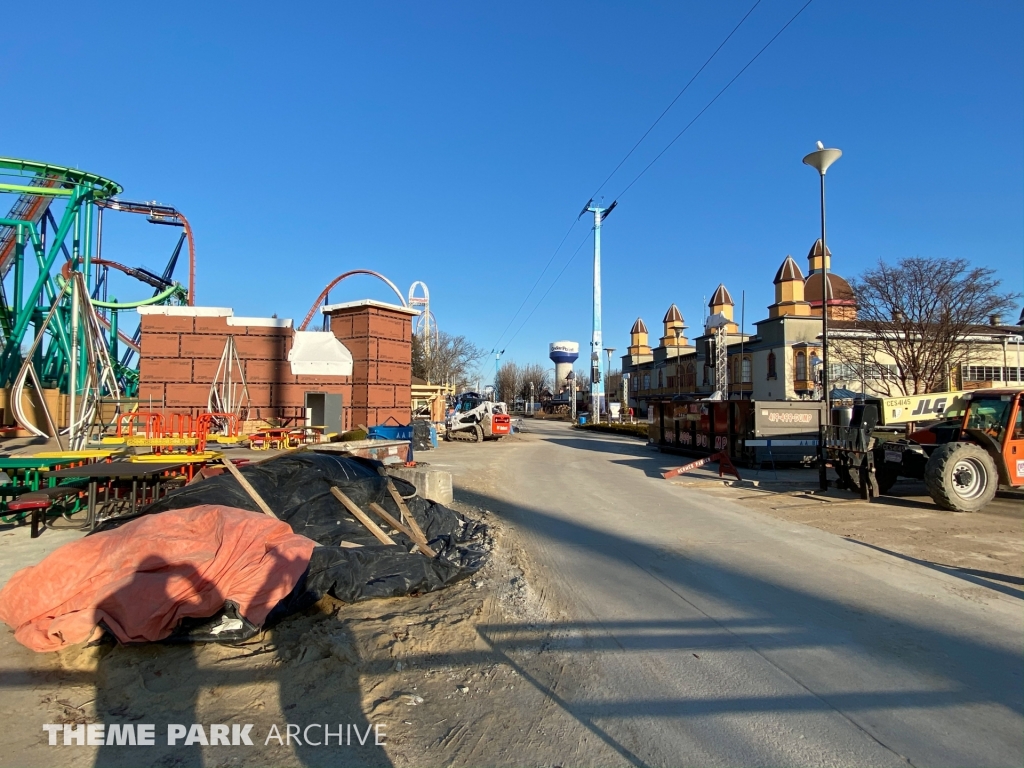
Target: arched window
(801, 366)
(661, 378)
(690, 378)
(746, 371)
(771, 366)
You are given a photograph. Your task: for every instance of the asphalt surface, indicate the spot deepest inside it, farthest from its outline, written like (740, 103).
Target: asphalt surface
(715, 635)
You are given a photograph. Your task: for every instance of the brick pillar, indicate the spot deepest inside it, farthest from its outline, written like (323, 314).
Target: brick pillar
(379, 336)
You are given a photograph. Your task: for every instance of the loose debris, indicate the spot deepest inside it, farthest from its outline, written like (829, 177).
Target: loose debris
(200, 545)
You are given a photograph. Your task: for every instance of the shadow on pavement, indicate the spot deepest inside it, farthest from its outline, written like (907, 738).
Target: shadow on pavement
(961, 670)
(973, 575)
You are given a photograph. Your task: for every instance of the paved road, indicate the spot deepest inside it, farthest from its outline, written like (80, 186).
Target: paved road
(714, 635)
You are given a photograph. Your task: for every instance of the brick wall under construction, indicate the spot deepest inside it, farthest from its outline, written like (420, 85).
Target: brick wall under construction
(182, 349)
(379, 336)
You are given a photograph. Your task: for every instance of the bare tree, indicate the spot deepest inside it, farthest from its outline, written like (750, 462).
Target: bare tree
(613, 384)
(451, 359)
(534, 374)
(920, 313)
(509, 381)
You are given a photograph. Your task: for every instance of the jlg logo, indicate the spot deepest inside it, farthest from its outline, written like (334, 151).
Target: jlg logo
(926, 407)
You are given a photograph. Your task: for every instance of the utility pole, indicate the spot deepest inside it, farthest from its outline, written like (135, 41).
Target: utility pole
(596, 363)
(607, 389)
(497, 357)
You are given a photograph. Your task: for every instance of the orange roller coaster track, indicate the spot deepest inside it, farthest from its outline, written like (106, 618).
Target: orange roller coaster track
(323, 294)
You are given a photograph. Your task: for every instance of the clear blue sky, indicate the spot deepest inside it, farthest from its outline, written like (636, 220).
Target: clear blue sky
(454, 143)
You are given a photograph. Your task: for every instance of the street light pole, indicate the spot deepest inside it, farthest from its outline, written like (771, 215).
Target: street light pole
(571, 378)
(676, 331)
(820, 160)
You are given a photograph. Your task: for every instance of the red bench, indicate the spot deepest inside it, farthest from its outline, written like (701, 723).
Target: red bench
(38, 502)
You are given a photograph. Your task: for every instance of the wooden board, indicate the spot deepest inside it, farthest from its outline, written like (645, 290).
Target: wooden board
(247, 487)
(362, 517)
(414, 527)
(421, 542)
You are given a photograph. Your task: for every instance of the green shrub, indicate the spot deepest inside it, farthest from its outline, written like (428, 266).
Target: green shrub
(633, 430)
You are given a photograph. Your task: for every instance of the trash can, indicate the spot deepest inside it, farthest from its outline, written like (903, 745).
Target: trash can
(583, 420)
(421, 436)
(841, 415)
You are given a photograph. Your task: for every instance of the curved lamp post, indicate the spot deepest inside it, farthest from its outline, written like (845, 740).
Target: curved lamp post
(820, 160)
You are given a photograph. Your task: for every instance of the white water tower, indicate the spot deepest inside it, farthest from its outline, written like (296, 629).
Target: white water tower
(563, 354)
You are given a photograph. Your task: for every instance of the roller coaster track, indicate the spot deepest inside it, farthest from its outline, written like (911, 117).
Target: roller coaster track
(26, 208)
(162, 214)
(323, 294)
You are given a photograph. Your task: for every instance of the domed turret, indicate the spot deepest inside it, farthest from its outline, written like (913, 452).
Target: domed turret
(842, 304)
(638, 339)
(722, 304)
(675, 328)
(814, 257)
(789, 291)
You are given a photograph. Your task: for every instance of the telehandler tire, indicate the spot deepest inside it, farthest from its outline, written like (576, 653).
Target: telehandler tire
(961, 477)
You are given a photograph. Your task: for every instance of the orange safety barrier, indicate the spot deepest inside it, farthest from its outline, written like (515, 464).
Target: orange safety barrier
(153, 423)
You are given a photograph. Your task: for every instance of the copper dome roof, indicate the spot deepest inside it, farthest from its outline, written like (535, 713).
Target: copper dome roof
(638, 327)
(839, 291)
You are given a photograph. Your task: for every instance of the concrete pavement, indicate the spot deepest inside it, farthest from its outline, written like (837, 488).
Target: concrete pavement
(712, 634)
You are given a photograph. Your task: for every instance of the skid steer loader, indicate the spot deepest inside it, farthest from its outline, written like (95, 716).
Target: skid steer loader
(477, 419)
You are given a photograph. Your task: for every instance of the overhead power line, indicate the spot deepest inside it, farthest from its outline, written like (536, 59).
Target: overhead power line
(535, 284)
(678, 95)
(717, 95)
(541, 300)
(540, 277)
(649, 165)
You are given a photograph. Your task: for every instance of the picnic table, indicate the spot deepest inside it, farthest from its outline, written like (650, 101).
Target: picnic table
(275, 437)
(189, 462)
(25, 473)
(146, 478)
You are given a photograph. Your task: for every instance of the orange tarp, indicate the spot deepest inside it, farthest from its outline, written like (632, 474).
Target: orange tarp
(141, 579)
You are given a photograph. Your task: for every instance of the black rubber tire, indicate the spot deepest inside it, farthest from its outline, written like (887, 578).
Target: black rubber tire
(961, 477)
(479, 432)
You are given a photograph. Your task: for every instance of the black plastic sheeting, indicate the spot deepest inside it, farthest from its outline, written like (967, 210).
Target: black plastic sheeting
(297, 488)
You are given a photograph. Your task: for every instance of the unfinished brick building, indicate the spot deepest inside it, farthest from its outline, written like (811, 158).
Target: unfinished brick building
(360, 372)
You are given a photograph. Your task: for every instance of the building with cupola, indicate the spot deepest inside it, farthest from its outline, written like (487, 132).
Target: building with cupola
(780, 359)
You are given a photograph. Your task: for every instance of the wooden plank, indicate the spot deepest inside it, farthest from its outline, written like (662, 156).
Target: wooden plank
(386, 517)
(724, 465)
(362, 517)
(417, 532)
(247, 487)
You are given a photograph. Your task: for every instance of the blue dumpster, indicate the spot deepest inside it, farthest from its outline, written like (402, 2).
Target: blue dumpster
(395, 431)
(583, 420)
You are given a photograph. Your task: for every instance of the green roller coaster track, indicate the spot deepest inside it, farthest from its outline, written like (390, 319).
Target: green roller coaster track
(26, 300)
